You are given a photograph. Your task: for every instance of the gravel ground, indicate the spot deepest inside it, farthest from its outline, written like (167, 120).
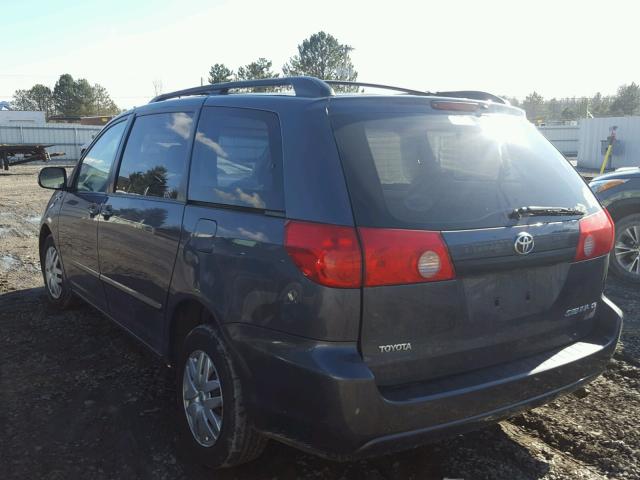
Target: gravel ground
(80, 399)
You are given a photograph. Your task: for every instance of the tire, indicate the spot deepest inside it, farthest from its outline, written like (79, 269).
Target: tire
(625, 256)
(60, 296)
(237, 441)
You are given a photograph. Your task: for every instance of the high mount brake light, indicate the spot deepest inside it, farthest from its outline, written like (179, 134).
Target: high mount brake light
(597, 233)
(455, 106)
(393, 257)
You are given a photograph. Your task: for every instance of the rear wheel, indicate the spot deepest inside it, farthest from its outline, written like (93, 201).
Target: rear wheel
(215, 429)
(625, 257)
(56, 285)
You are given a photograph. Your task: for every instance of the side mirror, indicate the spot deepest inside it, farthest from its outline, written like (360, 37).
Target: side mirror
(54, 178)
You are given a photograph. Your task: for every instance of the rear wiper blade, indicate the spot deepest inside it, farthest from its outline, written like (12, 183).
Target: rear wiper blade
(544, 211)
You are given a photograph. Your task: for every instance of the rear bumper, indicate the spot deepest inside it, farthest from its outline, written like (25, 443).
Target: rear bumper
(321, 396)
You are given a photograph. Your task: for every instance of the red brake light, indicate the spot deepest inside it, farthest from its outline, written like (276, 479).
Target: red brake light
(404, 256)
(327, 254)
(597, 234)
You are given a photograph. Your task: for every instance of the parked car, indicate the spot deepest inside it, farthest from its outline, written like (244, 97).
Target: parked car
(347, 274)
(619, 192)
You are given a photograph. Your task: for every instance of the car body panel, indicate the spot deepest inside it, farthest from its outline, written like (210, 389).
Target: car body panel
(477, 321)
(248, 277)
(629, 172)
(621, 198)
(138, 247)
(78, 242)
(412, 167)
(326, 400)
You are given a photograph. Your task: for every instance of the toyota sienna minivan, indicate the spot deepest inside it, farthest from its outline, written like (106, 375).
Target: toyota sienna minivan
(348, 274)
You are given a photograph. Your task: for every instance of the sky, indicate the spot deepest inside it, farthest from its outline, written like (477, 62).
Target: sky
(559, 48)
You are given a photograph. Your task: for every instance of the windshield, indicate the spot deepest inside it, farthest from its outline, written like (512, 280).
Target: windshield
(451, 172)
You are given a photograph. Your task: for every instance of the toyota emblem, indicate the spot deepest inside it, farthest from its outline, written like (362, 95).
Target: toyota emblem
(524, 243)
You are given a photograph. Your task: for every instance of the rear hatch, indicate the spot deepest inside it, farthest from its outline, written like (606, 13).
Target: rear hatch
(462, 269)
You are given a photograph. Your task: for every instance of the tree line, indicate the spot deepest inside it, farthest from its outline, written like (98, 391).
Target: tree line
(321, 55)
(68, 97)
(625, 102)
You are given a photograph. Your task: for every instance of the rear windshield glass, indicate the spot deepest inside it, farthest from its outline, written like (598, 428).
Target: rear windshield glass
(451, 172)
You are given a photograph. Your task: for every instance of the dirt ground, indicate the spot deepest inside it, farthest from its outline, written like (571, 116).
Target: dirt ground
(80, 399)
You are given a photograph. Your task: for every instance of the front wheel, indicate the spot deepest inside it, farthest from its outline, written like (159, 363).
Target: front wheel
(625, 256)
(56, 285)
(215, 429)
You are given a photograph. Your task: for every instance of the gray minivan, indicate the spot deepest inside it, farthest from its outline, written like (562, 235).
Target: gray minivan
(348, 274)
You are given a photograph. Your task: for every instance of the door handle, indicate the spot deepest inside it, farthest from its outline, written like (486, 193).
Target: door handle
(107, 211)
(203, 235)
(93, 210)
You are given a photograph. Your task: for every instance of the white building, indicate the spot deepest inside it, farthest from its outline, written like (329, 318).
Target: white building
(21, 117)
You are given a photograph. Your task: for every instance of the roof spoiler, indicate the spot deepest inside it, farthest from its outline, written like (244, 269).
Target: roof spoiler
(473, 95)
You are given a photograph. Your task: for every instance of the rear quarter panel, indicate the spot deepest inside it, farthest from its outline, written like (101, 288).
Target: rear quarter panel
(248, 277)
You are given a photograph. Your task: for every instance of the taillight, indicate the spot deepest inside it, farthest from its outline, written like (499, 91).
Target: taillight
(597, 234)
(393, 257)
(327, 254)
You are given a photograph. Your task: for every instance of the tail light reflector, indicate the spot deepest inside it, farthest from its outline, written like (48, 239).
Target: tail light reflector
(597, 234)
(394, 257)
(327, 254)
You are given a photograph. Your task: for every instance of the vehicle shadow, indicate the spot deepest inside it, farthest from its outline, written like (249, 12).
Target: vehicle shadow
(82, 399)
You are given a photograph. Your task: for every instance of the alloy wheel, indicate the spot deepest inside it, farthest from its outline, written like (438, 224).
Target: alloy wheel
(627, 249)
(53, 272)
(202, 398)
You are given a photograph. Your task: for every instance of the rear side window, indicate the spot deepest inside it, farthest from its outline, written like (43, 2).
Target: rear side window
(94, 171)
(449, 172)
(154, 159)
(237, 159)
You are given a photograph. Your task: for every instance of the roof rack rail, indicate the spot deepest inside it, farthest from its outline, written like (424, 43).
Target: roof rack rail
(303, 87)
(473, 95)
(376, 85)
(313, 87)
